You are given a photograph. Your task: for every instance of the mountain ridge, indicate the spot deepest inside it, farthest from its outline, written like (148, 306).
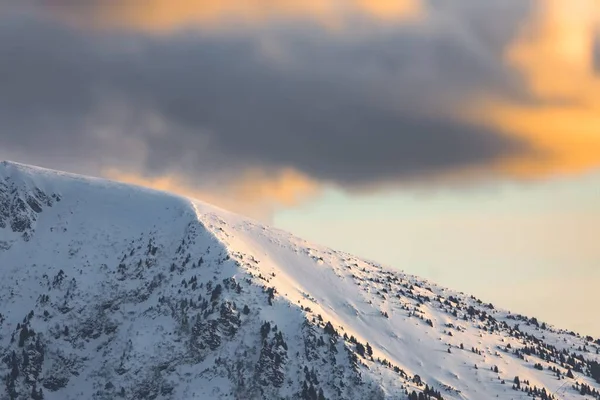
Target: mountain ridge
(220, 306)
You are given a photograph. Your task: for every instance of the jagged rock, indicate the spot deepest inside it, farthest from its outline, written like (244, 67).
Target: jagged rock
(53, 383)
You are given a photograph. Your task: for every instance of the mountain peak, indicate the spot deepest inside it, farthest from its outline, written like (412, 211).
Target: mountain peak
(115, 291)
(9, 168)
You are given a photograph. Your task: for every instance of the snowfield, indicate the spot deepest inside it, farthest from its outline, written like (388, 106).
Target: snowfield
(112, 291)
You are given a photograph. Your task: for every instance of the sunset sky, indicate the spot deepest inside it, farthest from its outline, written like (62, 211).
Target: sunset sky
(455, 140)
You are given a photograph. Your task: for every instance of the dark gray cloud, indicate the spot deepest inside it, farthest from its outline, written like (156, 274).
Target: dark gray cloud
(352, 109)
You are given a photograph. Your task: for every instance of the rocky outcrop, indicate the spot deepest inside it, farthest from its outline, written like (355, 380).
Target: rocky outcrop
(20, 206)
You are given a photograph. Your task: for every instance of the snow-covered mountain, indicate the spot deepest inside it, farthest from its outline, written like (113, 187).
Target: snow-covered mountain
(112, 291)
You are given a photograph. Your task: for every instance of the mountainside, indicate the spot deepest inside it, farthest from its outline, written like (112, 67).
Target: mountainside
(112, 291)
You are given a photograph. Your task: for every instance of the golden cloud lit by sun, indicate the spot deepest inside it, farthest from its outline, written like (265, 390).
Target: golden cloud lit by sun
(555, 55)
(553, 52)
(255, 193)
(169, 15)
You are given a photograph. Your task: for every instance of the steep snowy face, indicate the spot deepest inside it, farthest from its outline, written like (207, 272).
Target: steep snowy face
(113, 291)
(118, 291)
(409, 332)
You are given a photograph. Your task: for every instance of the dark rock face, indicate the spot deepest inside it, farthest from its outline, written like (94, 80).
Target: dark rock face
(20, 206)
(270, 369)
(5, 204)
(53, 383)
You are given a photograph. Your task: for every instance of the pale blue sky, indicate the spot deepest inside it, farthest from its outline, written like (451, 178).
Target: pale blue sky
(532, 248)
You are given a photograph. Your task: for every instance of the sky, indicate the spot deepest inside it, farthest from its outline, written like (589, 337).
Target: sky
(456, 140)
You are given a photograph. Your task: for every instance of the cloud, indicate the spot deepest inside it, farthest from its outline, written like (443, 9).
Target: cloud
(164, 16)
(456, 93)
(348, 111)
(597, 52)
(557, 56)
(254, 193)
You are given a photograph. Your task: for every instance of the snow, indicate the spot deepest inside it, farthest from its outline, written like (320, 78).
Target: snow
(124, 252)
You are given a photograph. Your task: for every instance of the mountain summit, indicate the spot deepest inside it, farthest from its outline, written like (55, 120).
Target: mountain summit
(112, 291)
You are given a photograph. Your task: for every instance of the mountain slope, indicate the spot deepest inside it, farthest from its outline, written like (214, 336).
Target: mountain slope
(114, 291)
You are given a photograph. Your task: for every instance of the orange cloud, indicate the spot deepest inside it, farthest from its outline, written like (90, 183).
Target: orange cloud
(286, 188)
(168, 15)
(255, 193)
(555, 55)
(554, 52)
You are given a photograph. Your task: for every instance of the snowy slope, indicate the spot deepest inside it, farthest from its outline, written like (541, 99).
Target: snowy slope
(114, 291)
